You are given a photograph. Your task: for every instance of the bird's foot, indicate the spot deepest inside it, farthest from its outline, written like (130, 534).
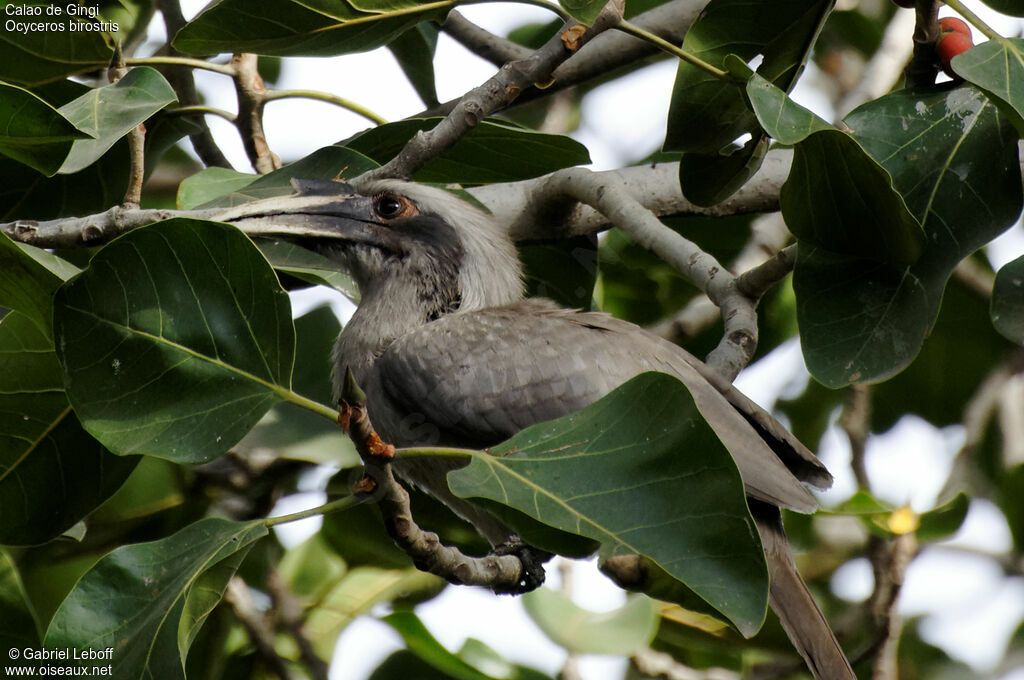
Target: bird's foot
(532, 560)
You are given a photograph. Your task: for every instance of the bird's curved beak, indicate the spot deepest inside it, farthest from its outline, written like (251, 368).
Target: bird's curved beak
(322, 211)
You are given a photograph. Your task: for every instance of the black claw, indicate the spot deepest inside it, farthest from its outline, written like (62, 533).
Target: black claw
(532, 560)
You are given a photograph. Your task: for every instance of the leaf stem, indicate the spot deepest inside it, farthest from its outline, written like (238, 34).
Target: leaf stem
(199, 109)
(975, 20)
(429, 451)
(634, 30)
(304, 402)
(343, 503)
(330, 99)
(181, 61)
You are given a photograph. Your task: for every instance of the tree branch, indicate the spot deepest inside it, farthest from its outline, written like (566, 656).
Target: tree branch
(740, 337)
(482, 42)
(184, 85)
(501, 573)
(497, 93)
(655, 187)
(251, 97)
(924, 65)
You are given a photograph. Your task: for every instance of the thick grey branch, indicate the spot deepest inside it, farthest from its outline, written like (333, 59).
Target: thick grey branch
(655, 187)
(482, 42)
(497, 93)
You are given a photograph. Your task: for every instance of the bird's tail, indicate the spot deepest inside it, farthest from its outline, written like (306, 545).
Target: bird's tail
(800, 615)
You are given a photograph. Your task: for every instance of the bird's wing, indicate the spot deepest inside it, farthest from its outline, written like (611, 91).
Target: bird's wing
(479, 377)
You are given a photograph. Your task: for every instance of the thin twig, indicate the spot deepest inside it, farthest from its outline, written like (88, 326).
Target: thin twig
(666, 46)
(497, 93)
(136, 143)
(181, 79)
(198, 109)
(289, 609)
(501, 573)
(201, 64)
(330, 99)
(252, 93)
(238, 595)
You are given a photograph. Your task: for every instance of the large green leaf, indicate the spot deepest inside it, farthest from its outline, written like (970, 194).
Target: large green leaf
(51, 472)
(707, 115)
(291, 28)
(414, 51)
(148, 600)
(620, 632)
(175, 340)
(33, 132)
(954, 161)
(1011, 7)
(29, 195)
(29, 56)
(839, 199)
(356, 594)
(228, 188)
(997, 67)
(654, 468)
(1007, 307)
(109, 113)
(491, 152)
(18, 627)
(421, 643)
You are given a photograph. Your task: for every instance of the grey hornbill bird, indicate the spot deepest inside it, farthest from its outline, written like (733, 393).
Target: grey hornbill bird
(449, 352)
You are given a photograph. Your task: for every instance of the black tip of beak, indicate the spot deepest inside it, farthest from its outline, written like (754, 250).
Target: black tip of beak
(321, 187)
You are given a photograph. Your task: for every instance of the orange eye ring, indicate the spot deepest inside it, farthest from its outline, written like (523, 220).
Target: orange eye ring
(388, 206)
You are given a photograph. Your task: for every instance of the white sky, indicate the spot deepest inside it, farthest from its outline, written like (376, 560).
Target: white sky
(970, 610)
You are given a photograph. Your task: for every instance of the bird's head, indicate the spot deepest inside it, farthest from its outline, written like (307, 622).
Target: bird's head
(393, 235)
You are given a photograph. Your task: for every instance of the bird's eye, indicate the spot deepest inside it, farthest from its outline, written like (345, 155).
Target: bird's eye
(389, 206)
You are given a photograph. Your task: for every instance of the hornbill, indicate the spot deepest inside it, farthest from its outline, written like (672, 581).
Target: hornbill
(450, 353)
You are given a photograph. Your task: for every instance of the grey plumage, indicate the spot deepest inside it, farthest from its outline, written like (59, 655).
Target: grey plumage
(449, 352)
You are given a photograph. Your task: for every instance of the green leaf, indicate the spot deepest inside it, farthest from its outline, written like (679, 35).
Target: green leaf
(209, 184)
(51, 472)
(414, 51)
(1011, 7)
(620, 632)
(564, 271)
(1007, 306)
(190, 340)
(308, 266)
(944, 521)
(111, 112)
(954, 161)
(293, 432)
(927, 387)
(584, 11)
(311, 569)
(706, 113)
(709, 179)
(356, 594)
(18, 627)
(33, 132)
(31, 57)
(330, 162)
(27, 195)
(147, 600)
(997, 67)
(839, 199)
(421, 643)
(491, 152)
(781, 117)
(31, 275)
(650, 433)
(291, 28)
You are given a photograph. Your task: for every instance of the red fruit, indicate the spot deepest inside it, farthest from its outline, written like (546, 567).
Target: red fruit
(950, 45)
(952, 24)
